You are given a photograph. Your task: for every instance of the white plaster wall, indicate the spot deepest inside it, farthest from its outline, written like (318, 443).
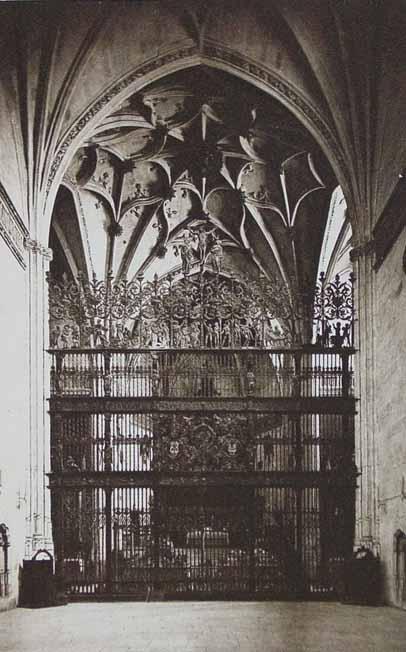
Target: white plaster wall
(14, 446)
(390, 391)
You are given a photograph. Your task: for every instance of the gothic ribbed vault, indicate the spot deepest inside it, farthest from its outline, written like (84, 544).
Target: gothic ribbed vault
(198, 150)
(336, 65)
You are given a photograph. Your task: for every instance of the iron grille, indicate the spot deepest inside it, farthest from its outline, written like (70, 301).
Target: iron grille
(188, 461)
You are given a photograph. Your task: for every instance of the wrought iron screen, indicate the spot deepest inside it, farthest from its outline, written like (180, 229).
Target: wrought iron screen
(197, 447)
(203, 310)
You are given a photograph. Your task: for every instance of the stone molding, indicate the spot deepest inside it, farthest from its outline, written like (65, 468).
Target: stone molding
(12, 229)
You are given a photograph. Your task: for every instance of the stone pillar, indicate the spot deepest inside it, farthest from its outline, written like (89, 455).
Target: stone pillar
(367, 515)
(38, 520)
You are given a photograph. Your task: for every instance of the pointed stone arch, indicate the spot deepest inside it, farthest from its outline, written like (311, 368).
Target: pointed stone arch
(208, 54)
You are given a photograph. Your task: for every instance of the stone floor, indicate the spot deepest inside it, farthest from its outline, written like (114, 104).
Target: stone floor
(204, 627)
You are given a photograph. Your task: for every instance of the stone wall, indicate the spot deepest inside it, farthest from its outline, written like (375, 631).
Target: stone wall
(14, 440)
(390, 393)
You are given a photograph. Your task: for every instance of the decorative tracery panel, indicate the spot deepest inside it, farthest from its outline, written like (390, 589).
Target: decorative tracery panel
(203, 443)
(207, 309)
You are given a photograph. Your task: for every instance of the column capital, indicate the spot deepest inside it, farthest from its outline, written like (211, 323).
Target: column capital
(36, 247)
(362, 249)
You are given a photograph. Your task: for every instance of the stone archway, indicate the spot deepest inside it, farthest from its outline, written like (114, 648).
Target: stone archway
(213, 55)
(208, 54)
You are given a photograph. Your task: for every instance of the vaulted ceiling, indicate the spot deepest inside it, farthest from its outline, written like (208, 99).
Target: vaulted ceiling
(337, 65)
(199, 150)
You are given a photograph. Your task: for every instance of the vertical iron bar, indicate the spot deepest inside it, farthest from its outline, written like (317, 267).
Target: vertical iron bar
(299, 541)
(156, 527)
(59, 357)
(109, 570)
(346, 380)
(108, 492)
(251, 540)
(58, 527)
(107, 380)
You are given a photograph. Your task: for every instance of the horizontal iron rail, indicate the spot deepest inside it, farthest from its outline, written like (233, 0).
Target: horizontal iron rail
(153, 479)
(306, 349)
(114, 405)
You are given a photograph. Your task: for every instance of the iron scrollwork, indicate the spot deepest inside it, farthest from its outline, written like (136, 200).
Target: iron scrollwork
(334, 312)
(203, 305)
(202, 310)
(199, 443)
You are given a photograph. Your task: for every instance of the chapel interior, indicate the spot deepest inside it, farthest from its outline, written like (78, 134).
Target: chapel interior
(203, 254)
